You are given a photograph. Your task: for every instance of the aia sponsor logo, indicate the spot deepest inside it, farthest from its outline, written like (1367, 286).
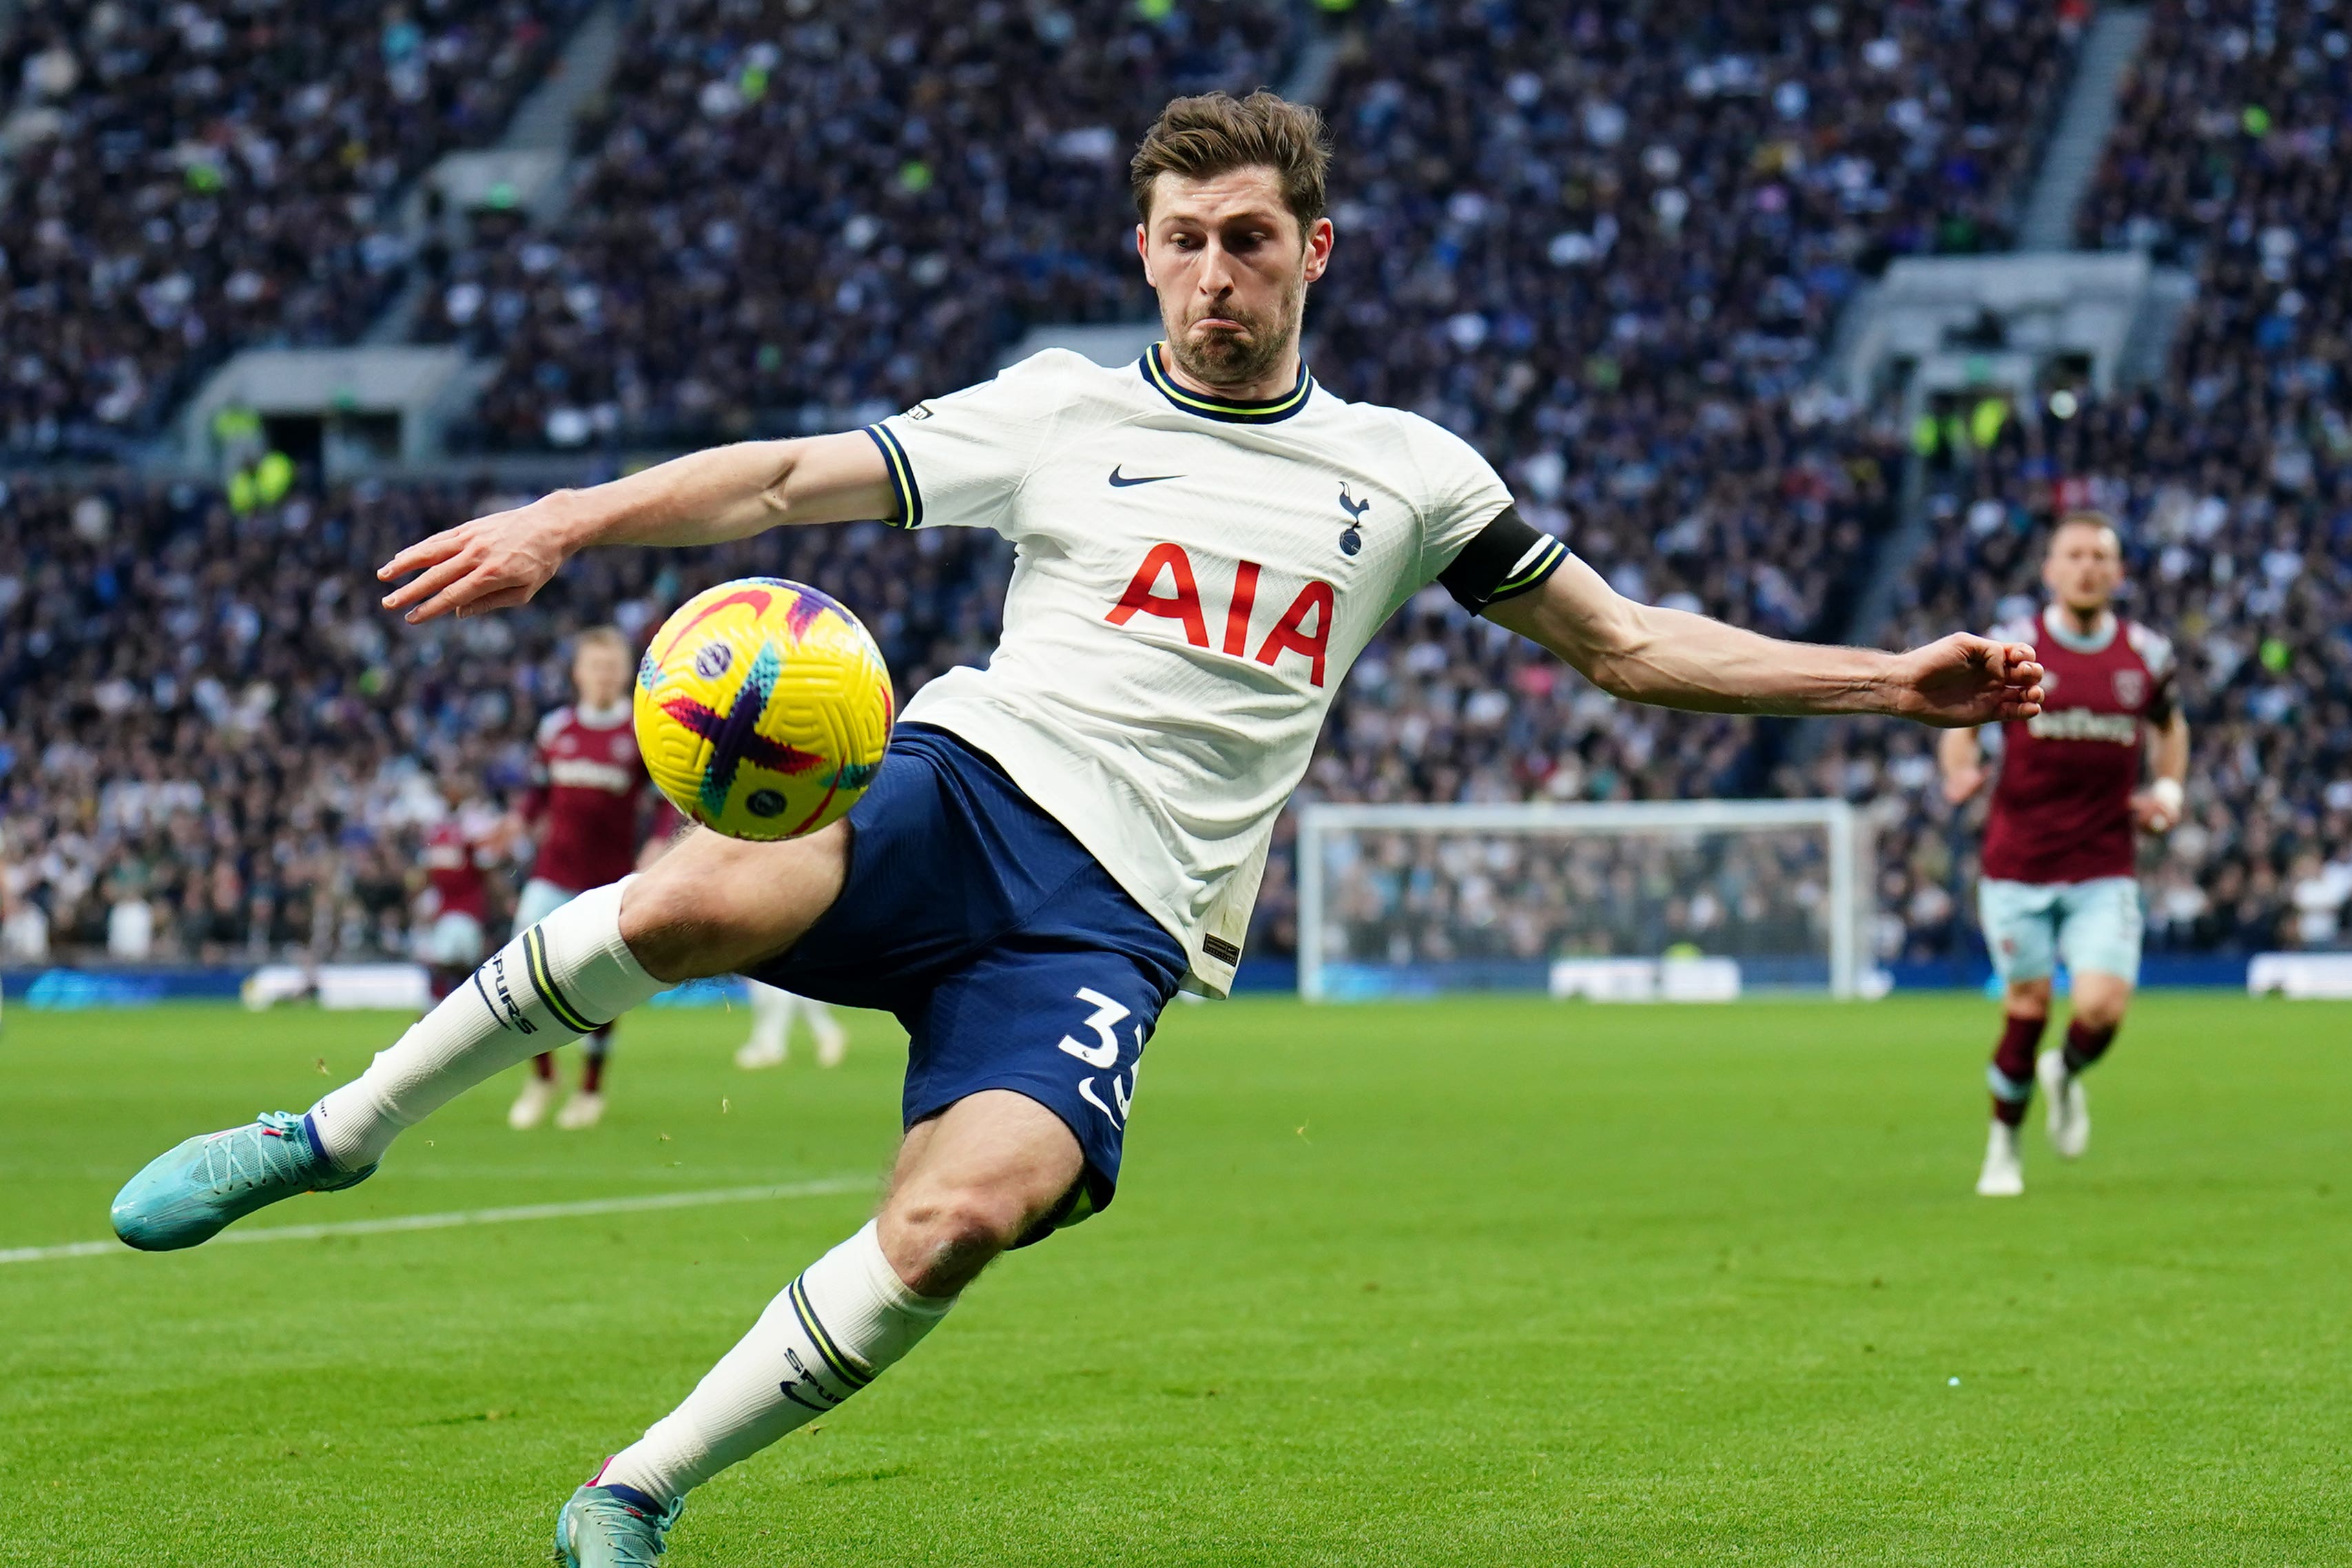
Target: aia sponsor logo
(1165, 586)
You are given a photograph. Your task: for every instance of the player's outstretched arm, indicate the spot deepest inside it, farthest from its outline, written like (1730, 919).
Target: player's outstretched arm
(1675, 659)
(704, 498)
(1960, 761)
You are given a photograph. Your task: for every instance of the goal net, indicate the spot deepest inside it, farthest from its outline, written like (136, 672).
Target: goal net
(1696, 901)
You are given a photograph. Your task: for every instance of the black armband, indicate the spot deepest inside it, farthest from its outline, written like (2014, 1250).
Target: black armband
(1508, 557)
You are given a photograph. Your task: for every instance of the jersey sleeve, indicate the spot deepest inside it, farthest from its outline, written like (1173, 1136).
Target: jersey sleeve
(1473, 540)
(1503, 560)
(2155, 650)
(533, 804)
(958, 461)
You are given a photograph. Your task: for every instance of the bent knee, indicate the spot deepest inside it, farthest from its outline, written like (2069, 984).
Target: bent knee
(939, 1238)
(2029, 998)
(714, 905)
(2101, 1011)
(670, 922)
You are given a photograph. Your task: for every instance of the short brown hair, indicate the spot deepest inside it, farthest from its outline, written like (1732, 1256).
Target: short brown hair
(1215, 133)
(2084, 517)
(603, 637)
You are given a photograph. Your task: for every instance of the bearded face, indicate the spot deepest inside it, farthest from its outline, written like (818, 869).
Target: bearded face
(1228, 343)
(1231, 264)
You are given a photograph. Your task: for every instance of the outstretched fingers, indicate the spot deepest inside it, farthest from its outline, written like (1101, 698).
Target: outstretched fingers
(424, 552)
(434, 586)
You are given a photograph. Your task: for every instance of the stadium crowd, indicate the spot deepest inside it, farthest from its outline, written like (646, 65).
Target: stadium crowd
(1616, 275)
(214, 742)
(2229, 476)
(1608, 246)
(190, 177)
(795, 215)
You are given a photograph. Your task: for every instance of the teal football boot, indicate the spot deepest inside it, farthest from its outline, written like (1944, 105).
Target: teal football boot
(187, 1193)
(612, 1527)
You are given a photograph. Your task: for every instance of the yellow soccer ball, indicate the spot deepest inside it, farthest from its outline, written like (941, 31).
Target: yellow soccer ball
(762, 708)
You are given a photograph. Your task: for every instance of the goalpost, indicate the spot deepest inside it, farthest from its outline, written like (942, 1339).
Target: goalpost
(1696, 899)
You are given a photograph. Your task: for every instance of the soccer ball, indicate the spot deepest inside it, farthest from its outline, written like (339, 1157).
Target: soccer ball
(762, 708)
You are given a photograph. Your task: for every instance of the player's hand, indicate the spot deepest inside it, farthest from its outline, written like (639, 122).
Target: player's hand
(2153, 812)
(491, 563)
(1965, 680)
(1962, 783)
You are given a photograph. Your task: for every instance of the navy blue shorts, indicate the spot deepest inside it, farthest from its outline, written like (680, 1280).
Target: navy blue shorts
(1008, 952)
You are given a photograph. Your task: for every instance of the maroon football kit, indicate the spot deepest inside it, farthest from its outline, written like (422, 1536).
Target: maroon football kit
(455, 862)
(2061, 807)
(587, 798)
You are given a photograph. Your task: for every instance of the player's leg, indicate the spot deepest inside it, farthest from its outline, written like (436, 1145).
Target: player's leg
(537, 1095)
(968, 1184)
(2021, 935)
(2099, 934)
(708, 907)
(453, 946)
(1021, 1069)
(540, 898)
(832, 1039)
(771, 1026)
(586, 1106)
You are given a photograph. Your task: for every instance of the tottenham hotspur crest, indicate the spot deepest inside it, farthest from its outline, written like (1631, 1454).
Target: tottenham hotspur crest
(1351, 539)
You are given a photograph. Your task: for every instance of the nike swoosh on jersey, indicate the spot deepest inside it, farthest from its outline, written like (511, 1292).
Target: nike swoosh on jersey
(1119, 482)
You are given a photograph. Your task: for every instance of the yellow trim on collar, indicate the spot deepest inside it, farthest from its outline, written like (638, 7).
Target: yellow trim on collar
(1246, 413)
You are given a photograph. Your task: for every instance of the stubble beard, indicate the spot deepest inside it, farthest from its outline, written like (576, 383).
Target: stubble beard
(1233, 359)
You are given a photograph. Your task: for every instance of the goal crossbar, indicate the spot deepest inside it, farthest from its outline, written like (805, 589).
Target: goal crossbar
(1843, 828)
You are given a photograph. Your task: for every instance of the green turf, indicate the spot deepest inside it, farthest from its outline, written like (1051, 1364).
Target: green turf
(1495, 1282)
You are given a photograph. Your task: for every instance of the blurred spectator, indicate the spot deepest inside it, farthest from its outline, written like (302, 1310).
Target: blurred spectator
(1616, 274)
(1606, 245)
(209, 734)
(196, 175)
(793, 218)
(2228, 475)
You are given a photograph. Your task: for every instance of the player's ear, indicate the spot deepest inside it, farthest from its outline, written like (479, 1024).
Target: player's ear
(1318, 249)
(1143, 249)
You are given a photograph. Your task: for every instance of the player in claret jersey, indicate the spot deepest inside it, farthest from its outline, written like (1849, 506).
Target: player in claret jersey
(454, 905)
(1207, 539)
(589, 807)
(2059, 844)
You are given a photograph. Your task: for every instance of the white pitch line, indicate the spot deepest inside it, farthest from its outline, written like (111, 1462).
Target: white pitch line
(831, 1186)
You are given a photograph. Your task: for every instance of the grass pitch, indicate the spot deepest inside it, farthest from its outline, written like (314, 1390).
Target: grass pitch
(1490, 1282)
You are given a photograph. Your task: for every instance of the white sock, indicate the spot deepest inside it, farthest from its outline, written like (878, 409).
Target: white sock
(830, 1035)
(831, 1332)
(554, 983)
(771, 1016)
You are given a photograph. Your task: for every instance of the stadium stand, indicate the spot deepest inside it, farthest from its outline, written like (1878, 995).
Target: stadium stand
(186, 179)
(2228, 475)
(769, 241)
(1611, 251)
(214, 736)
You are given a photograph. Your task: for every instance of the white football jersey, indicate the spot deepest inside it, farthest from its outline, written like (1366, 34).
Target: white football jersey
(1192, 580)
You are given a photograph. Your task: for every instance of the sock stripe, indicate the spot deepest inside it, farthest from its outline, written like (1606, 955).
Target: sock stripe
(488, 1005)
(843, 1365)
(542, 976)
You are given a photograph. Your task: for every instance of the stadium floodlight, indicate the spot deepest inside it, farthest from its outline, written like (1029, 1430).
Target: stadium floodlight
(1694, 899)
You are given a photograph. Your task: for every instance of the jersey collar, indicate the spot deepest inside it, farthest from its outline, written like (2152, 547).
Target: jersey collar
(611, 717)
(1233, 412)
(2055, 625)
